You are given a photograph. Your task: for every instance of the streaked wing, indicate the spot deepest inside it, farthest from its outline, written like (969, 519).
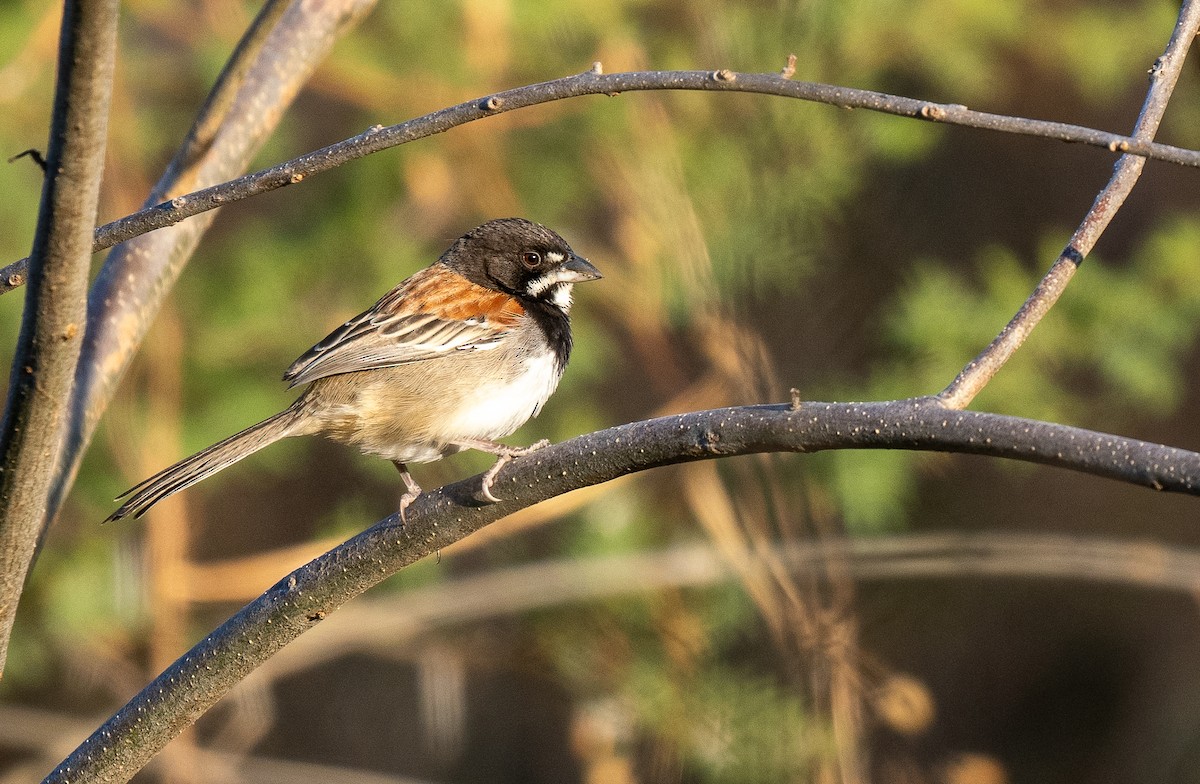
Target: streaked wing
(431, 314)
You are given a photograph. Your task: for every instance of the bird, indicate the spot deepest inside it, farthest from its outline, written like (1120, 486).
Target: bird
(458, 355)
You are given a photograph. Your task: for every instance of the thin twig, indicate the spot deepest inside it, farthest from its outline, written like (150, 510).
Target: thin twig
(34, 155)
(593, 82)
(1163, 76)
(52, 325)
(440, 517)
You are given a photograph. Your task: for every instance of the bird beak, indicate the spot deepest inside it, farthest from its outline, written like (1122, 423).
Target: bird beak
(580, 270)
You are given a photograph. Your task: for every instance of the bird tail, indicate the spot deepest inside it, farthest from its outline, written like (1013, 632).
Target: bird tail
(205, 463)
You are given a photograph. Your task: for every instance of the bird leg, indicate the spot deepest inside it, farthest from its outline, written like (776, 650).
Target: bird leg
(505, 454)
(414, 489)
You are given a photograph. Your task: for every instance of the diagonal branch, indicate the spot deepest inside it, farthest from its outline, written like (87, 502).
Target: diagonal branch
(53, 322)
(391, 622)
(1163, 76)
(271, 63)
(438, 518)
(593, 82)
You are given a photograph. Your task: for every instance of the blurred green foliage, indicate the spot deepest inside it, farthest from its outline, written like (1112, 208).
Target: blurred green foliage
(746, 210)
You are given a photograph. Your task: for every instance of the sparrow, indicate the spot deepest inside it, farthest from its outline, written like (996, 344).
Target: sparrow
(458, 355)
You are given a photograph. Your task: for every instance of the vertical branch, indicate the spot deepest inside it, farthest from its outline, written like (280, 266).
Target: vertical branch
(1163, 76)
(52, 326)
(272, 62)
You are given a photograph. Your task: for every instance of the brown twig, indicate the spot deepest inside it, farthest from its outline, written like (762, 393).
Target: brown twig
(593, 82)
(440, 517)
(53, 322)
(1163, 76)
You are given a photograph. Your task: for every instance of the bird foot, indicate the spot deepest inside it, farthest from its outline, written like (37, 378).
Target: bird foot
(405, 500)
(505, 455)
(412, 491)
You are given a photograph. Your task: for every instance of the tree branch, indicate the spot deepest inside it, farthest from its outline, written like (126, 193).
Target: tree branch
(389, 623)
(1163, 76)
(593, 82)
(52, 325)
(440, 517)
(271, 63)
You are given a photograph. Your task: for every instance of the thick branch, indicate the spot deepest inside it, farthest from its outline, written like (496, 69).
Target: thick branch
(270, 65)
(438, 518)
(380, 138)
(52, 326)
(1163, 76)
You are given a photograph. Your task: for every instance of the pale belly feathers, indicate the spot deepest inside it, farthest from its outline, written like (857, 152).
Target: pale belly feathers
(415, 425)
(498, 409)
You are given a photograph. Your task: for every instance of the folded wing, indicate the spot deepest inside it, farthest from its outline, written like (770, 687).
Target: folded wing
(434, 313)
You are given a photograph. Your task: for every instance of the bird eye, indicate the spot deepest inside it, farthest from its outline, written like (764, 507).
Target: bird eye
(531, 258)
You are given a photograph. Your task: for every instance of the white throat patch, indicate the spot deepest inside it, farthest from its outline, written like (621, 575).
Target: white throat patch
(560, 296)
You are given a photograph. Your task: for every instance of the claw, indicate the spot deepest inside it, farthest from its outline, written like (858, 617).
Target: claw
(485, 488)
(505, 455)
(414, 489)
(405, 500)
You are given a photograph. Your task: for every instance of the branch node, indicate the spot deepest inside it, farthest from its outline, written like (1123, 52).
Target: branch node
(296, 178)
(597, 68)
(789, 70)
(933, 111)
(795, 399)
(1073, 255)
(492, 104)
(724, 75)
(15, 279)
(1119, 145)
(179, 202)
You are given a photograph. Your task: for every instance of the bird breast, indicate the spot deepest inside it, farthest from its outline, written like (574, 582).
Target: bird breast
(416, 413)
(499, 405)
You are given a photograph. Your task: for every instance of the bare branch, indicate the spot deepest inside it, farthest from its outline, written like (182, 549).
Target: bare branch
(1163, 76)
(52, 326)
(40, 733)
(222, 99)
(389, 623)
(440, 517)
(268, 68)
(593, 82)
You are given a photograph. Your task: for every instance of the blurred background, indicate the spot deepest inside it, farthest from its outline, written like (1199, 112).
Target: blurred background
(671, 626)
